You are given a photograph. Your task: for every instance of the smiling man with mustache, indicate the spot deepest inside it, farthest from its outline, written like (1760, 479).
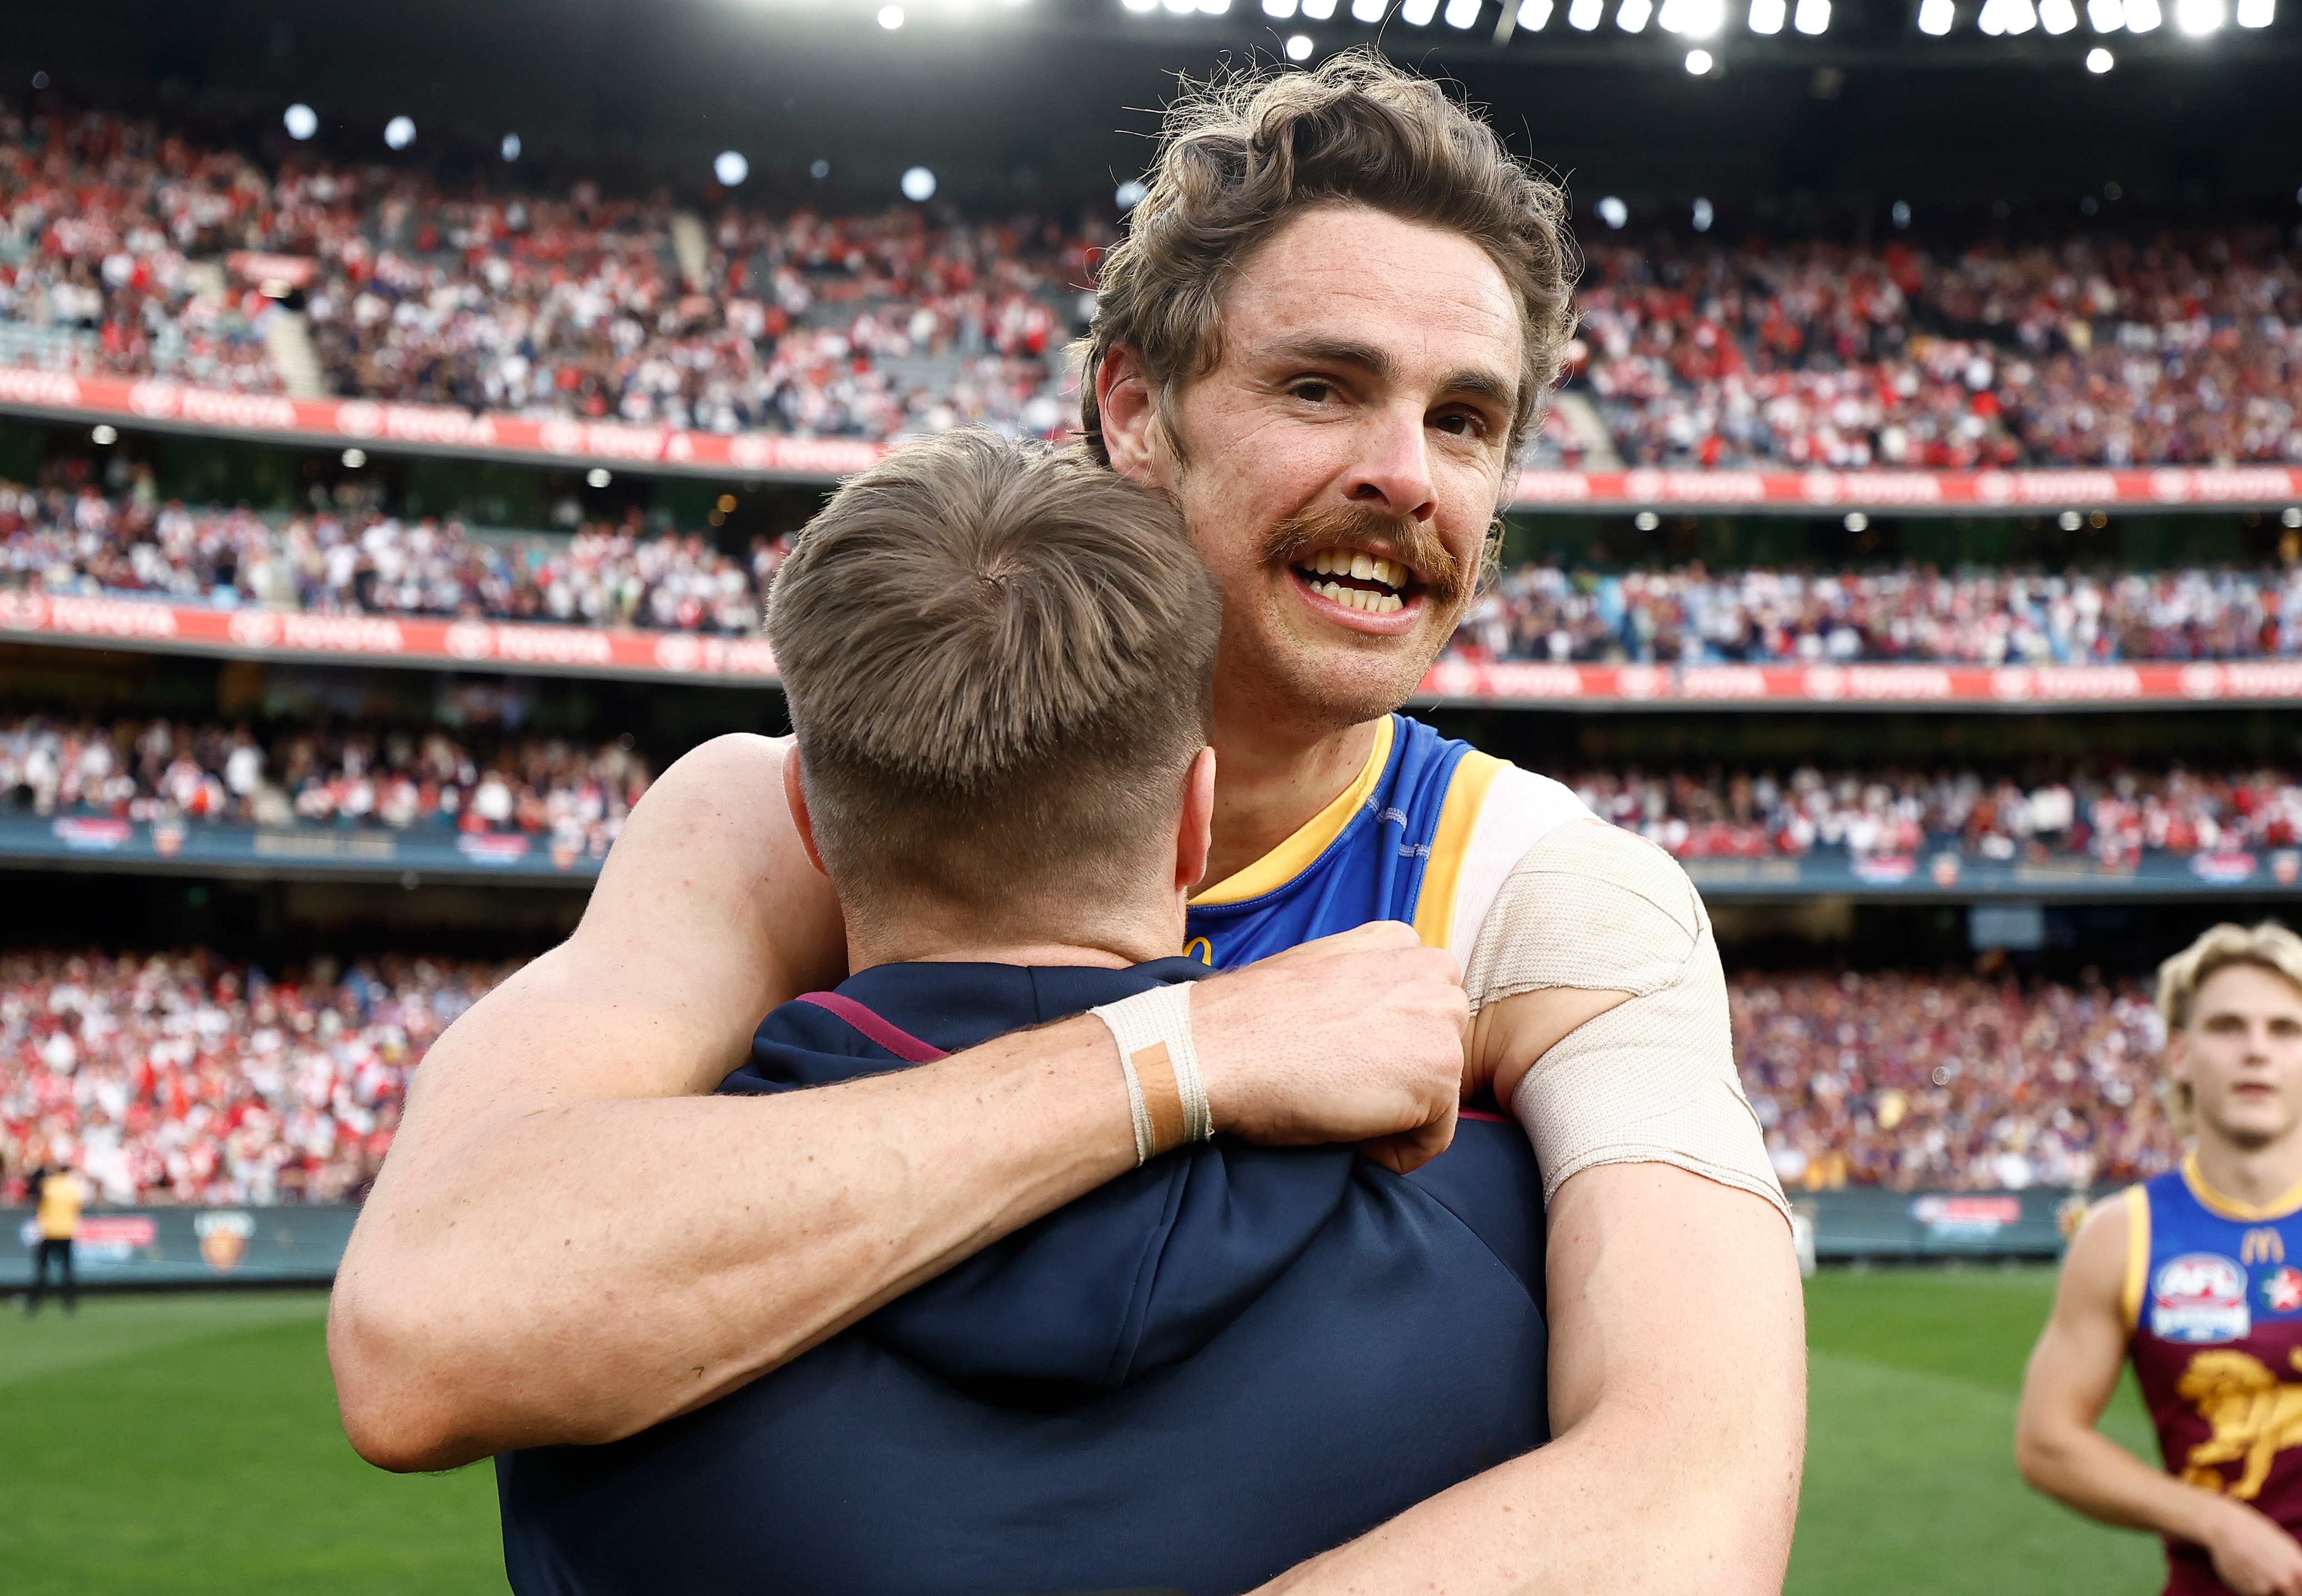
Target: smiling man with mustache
(1329, 329)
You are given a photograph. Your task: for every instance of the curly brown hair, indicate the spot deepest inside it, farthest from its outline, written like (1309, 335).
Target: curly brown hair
(1241, 156)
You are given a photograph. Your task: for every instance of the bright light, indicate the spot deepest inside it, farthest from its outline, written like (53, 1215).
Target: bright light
(1585, 14)
(1900, 213)
(2099, 61)
(1318, 11)
(918, 185)
(1140, 4)
(2108, 16)
(1298, 46)
(1368, 11)
(2142, 16)
(1856, 521)
(1131, 193)
(354, 458)
(599, 476)
(103, 436)
(1632, 15)
(399, 132)
(1646, 520)
(301, 121)
(2007, 16)
(2291, 516)
(730, 167)
(1419, 12)
(2198, 17)
(1698, 62)
(1214, 8)
(891, 17)
(2070, 520)
(2057, 16)
(1281, 9)
(1532, 14)
(1462, 14)
(2256, 13)
(1767, 15)
(1182, 8)
(510, 146)
(1699, 18)
(1613, 211)
(1936, 16)
(1811, 17)
(1703, 215)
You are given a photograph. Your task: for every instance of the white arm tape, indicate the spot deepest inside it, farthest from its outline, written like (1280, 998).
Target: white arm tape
(1651, 1081)
(1166, 1095)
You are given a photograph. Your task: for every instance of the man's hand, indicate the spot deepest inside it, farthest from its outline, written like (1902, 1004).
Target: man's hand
(2252, 1553)
(1353, 1038)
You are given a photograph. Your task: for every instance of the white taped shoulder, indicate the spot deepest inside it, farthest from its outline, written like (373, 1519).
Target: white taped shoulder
(1652, 1081)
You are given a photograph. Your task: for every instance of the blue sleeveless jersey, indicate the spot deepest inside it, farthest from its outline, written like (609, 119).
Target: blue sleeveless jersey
(1388, 848)
(2213, 1298)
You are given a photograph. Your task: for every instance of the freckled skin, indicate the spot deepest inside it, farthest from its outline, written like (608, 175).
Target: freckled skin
(1270, 433)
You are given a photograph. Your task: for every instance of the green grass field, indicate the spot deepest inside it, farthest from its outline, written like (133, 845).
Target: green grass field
(159, 1445)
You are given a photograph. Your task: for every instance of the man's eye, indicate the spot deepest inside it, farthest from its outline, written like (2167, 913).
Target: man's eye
(1462, 425)
(1314, 394)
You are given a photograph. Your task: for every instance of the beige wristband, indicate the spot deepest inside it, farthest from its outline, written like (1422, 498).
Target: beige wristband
(1166, 1096)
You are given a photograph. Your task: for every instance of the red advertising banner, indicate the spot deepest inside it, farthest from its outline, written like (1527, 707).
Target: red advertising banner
(443, 429)
(676, 656)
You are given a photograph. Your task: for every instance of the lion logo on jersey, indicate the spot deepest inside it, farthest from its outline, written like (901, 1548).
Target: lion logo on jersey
(2255, 1415)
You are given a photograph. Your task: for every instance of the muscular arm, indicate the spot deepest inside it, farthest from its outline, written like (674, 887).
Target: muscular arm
(569, 1245)
(2069, 1383)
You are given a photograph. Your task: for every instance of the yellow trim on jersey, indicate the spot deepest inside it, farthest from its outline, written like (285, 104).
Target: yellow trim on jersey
(1298, 853)
(2137, 1255)
(1466, 794)
(2230, 1207)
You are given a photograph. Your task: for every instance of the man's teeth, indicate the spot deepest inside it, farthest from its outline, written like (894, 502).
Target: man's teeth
(1358, 563)
(1358, 598)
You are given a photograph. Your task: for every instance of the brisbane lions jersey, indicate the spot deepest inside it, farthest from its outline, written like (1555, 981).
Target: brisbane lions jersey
(2213, 1295)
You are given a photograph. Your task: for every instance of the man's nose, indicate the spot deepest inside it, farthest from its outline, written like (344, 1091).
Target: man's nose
(1392, 473)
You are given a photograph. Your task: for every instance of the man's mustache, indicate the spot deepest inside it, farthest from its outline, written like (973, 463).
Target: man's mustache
(1351, 525)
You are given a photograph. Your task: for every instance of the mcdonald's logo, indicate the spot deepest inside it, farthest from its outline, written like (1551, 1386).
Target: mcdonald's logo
(1204, 951)
(2262, 1245)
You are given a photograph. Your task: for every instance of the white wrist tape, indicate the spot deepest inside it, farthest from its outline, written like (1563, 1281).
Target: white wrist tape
(1165, 1090)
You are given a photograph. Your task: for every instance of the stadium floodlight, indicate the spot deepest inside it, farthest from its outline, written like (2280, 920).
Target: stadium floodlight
(399, 132)
(1699, 61)
(1369, 11)
(1419, 12)
(1462, 14)
(1214, 8)
(1632, 15)
(1182, 8)
(1585, 14)
(918, 185)
(1812, 17)
(1298, 46)
(1532, 14)
(1856, 521)
(1646, 521)
(2291, 516)
(599, 476)
(1131, 193)
(2198, 17)
(2107, 16)
(1899, 214)
(1936, 16)
(1767, 16)
(2099, 61)
(510, 146)
(1704, 214)
(1318, 11)
(1281, 9)
(1140, 4)
(730, 167)
(891, 17)
(103, 436)
(1697, 19)
(1613, 211)
(301, 122)
(2142, 16)
(2007, 16)
(354, 458)
(2256, 13)
(2070, 520)
(2057, 16)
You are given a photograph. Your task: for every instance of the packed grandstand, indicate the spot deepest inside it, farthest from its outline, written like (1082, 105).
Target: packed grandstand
(127, 250)
(192, 1079)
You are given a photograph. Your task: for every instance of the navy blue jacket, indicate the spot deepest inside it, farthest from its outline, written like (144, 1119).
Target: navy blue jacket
(1191, 1378)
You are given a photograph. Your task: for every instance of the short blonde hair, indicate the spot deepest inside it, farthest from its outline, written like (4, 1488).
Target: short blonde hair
(2269, 947)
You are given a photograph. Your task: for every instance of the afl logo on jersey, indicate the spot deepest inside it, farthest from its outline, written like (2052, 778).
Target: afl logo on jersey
(2199, 1297)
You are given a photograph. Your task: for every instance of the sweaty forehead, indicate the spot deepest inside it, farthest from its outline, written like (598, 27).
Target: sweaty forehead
(1432, 301)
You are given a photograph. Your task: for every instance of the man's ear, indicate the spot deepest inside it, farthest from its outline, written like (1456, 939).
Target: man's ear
(1131, 430)
(1195, 832)
(2178, 1056)
(795, 796)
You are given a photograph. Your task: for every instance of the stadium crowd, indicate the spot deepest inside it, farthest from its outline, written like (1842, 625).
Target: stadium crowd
(118, 244)
(188, 1079)
(2115, 818)
(1952, 1081)
(156, 771)
(1695, 616)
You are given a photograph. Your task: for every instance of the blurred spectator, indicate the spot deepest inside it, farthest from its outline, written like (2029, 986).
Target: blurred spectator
(188, 1079)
